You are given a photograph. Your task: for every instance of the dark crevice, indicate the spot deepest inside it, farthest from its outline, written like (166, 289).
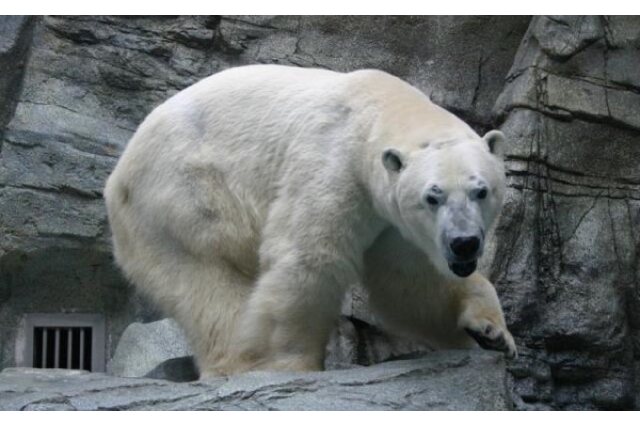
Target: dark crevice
(13, 63)
(59, 190)
(559, 178)
(539, 190)
(583, 216)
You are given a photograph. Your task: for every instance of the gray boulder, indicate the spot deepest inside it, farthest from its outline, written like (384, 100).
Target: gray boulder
(145, 349)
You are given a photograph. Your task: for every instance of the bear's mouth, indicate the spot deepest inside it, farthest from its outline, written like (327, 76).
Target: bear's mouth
(463, 269)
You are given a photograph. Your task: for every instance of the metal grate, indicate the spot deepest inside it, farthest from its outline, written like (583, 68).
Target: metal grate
(71, 341)
(62, 347)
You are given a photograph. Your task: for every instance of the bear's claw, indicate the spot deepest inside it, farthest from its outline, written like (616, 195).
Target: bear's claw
(492, 338)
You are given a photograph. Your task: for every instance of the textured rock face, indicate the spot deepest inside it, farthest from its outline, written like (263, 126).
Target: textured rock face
(565, 257)
(60, 140)
(456, 380)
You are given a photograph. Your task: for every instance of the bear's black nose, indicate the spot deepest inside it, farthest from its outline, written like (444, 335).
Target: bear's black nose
(465, 247)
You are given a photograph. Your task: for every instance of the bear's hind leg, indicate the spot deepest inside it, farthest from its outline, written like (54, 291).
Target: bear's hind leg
(205, 296)
(212, 312)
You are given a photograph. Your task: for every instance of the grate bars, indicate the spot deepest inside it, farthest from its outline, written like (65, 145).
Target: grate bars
(62, 347)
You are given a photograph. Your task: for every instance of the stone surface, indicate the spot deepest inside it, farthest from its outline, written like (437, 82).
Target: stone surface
(565, 90)
(455, 380)
(144, 347)
(567, 257)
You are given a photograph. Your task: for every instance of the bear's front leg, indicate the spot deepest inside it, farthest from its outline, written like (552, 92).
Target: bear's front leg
(481, 316)
(311, 251)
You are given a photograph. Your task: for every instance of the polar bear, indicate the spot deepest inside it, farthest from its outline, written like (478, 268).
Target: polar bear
(248, 203)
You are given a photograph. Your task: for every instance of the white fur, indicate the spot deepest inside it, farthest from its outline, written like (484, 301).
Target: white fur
(244, 206)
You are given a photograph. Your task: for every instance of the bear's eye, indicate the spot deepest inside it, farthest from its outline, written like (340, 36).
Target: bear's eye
(482, 194)
(432, 200)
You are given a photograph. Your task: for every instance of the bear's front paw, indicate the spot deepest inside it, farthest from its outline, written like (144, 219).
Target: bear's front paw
(493, 337)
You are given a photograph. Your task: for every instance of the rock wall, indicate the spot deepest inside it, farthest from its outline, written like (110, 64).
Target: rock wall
(567, 263)
(566, 91)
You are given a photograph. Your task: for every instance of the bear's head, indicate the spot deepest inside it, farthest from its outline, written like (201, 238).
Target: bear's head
(445, 196)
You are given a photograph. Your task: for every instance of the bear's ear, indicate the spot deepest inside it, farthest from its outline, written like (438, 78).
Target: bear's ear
(392, 160)
(495, 140)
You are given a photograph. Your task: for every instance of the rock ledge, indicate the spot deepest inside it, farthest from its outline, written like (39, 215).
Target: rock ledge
(448, 380)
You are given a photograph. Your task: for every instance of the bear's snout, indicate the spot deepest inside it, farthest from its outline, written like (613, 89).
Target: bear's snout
(465, 248)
